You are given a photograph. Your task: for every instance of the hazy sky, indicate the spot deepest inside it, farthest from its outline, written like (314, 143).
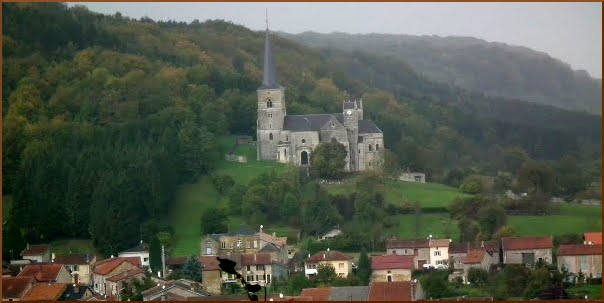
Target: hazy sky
(571, 32)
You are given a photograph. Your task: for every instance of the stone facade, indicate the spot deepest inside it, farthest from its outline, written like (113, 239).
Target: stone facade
(391, 275)
(292, 138)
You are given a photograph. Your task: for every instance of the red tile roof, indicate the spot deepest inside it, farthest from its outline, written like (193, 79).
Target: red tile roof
(333, 255)
(391, 262)
(209, 262)
(42, 272)
(521, 243)
(317, 294)
(106, 266)
(595, 238)
(579, 249)
(15, 287)
(461, 248)
(35, 250)
(126, 275)
(390, 291)
(45, 292)
(256, 259)
(394, 243)
(73, 259)
(439, 243)
(475, 256)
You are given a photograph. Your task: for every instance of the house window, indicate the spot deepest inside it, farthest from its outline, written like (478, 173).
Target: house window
(341, 265)
(268, 278)
(377, 147)
(415, 252)
(405, 251)
(223, 244)
(250, 278)
(255, 244)
(249, 267)
(394, 252)
(437, 253)
(370, 147)
(231, 245)
(144, 260)
(270, 136)
(259, 278)
(308, 266)
(248, 244)
(238, 243)
(208, 250)
(389, 278)
(269, 103)
(259, 267)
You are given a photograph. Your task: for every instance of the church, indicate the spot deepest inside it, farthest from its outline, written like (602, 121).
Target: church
(292, 138)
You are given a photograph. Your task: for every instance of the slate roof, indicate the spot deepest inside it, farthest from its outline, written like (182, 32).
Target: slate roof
(390, 291)
(269, 79)
(595, 238)
(579, 250)
(317, 294)
(179, 290)
(306, 122)
(142, 247)
(15, 287)
(35, 250)
(349, 293)
(368, 127)
(73, 259)
(475, 256)
(45, 292)
(394, 243)
(70, 294)
(460, 248)
(391, 262)
(522, 243)
(333, 255)
(270, 247)
(42, 272)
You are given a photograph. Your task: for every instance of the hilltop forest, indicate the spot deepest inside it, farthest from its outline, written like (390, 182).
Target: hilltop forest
(105, 116)
(496, 69)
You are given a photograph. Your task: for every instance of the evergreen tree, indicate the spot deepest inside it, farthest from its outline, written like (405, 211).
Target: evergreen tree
(155, 261)
(192, 269)
(364, 268)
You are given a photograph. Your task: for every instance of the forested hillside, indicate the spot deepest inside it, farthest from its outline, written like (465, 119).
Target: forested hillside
(495, 69)
(105, 116)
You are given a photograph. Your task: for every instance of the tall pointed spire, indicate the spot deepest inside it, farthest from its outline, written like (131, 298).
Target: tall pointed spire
(270, 72)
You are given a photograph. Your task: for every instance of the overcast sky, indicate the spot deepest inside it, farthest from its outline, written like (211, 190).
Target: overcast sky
(571, 32)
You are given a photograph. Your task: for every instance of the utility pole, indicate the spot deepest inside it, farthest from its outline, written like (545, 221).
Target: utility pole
(163, 262)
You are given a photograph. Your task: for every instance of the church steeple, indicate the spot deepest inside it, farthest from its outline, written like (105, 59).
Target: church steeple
(270, 72)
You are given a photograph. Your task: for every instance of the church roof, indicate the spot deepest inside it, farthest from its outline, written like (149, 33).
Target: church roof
(269, 80)
(368, 127)
(299, 123)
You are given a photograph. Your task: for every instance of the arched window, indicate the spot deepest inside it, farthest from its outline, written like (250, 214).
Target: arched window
(370, 147)
(303, 140)
(270, 136)
(304, 158)
(269, 103)
(377, 147)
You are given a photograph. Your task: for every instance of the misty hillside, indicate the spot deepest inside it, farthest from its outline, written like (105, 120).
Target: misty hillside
(495, 69)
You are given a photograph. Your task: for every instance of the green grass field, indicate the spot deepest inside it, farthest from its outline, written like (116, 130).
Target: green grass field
(76, 246)
(580, 291)
(438, 225)
(429, 195)
(573, 219)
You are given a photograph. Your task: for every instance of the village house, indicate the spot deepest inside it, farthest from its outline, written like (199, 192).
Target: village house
(45, 292)
(260, 269)
(459, 251)
(330, 233)
(479, 258)
(527, 250)
(105, 269)
(79, 265)
(243, 240)
(47, 272)
(14, 288)
(340, 261)
(16, 266)
(419, 249)
(37, 253)
(141, 251)
(439, 252)
(391, 268)
(593, 238)
(584, 258)
(396, 291)
(116, 282)
(210, 275)
(179, 290)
